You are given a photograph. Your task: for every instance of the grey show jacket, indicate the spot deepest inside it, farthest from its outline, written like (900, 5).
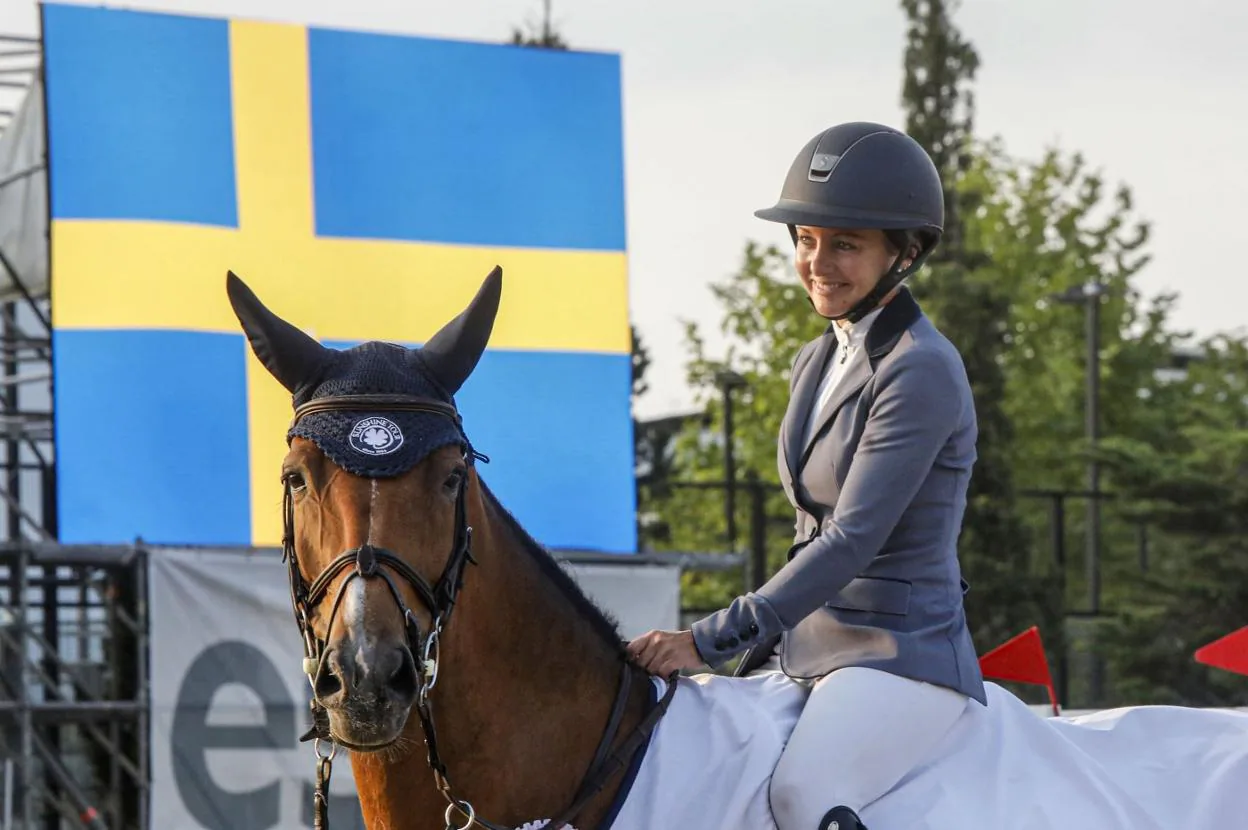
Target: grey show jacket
(879, 490)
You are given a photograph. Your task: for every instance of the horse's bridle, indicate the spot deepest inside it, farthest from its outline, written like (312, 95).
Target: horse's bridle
(439, 601)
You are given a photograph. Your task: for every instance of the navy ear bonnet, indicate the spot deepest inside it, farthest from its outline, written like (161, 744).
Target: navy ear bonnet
(373, 441)
(380, 443)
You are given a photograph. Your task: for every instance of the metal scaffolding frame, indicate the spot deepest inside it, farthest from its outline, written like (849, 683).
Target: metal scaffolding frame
(73, 619)
(73, 687)
(27, 486)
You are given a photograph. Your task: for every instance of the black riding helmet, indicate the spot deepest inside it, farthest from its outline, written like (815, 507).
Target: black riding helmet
(864, 175)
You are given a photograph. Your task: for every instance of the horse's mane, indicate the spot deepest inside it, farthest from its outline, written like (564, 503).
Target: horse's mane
(602, 623)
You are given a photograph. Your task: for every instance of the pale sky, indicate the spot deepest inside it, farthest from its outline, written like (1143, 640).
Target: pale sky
(719, 96)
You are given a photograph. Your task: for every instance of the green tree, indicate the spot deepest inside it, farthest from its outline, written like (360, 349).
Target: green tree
(1046, 228)
(940, 107)
(640, 360)
(1193, 490)
(1042, 229)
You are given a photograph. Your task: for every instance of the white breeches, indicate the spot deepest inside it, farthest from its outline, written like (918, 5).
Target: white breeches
(860, 732)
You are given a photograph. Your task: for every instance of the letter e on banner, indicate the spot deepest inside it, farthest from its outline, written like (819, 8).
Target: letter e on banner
(220, 665)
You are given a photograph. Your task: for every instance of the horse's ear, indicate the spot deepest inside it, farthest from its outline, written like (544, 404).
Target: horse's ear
(453, 352)
(291, 356)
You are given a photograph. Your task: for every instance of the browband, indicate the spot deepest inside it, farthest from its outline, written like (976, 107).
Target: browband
(392, 403)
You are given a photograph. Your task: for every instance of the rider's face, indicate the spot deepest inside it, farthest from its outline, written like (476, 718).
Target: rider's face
(838, 267)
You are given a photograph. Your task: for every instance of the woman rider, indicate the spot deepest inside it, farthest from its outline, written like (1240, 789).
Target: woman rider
(875, 455)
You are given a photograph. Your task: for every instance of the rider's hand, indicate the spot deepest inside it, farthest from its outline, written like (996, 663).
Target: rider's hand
(665, 652)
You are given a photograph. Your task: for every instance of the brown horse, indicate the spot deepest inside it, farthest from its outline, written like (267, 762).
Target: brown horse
(526, 705)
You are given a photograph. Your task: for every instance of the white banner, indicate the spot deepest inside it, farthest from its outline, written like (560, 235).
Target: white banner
(639, 597)
(229, 700)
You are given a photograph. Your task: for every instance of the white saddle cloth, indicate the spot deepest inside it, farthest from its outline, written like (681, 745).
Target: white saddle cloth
(1002, 767)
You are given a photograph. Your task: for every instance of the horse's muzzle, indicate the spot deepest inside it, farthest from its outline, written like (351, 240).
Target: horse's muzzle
(364, 677)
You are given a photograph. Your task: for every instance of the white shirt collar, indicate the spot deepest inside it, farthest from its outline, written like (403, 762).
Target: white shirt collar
(850, 337)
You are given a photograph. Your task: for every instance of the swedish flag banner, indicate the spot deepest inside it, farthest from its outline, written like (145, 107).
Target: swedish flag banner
(363, 184)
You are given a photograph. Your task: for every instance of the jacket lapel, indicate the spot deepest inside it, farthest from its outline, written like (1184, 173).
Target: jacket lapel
(856, 376)
(793, 427)
(894, 319)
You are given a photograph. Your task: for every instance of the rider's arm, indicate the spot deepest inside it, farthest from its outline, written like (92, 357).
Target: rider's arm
(916, 408)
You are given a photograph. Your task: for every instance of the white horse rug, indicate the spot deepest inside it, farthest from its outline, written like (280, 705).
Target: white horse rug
(1002, 767)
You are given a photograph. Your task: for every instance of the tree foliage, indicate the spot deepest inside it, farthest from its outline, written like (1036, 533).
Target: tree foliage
(1044, 228)
(1192, 489)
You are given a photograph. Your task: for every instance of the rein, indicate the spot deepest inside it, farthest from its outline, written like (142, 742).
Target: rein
(369, 562)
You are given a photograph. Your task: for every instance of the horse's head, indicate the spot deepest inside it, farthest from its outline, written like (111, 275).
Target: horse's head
(376, 483)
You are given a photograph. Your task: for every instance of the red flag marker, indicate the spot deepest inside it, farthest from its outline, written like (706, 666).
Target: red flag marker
(1229, 652)
(1021, 658)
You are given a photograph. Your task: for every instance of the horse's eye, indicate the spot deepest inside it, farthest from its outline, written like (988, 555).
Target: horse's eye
(454, 479)
(295, 481)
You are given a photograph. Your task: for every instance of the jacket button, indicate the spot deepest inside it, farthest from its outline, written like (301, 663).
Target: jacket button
(754, 629)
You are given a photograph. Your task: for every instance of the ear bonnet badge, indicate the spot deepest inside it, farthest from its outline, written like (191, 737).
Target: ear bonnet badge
(375, 435)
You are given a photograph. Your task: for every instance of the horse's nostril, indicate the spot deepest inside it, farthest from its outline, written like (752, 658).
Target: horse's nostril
(402, 681)
(329, 680)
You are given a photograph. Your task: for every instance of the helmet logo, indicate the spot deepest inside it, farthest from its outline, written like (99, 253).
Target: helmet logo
(821, 166)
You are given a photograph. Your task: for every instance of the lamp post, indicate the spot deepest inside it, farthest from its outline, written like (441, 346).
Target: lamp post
(728, 381)
(1090, 295)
